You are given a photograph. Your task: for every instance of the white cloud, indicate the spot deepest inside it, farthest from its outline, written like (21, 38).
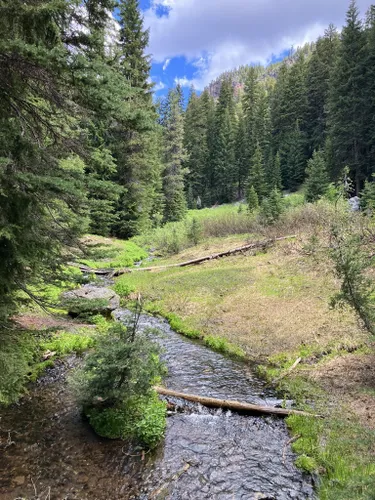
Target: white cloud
(218, 35)
(166, 64)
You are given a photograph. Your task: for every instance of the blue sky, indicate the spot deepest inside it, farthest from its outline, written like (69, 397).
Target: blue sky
(194, 41)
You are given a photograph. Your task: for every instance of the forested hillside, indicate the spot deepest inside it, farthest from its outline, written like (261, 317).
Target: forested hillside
(263, 133)
(84, 147)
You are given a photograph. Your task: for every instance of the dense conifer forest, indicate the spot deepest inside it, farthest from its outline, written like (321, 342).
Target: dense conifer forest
(85, 147)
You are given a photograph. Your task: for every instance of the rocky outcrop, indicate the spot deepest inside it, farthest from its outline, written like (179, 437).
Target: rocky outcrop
(90, 299)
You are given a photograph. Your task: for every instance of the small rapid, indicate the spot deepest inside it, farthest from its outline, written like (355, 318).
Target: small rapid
(49, 452)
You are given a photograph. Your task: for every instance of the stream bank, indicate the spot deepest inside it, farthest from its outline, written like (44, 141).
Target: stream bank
(53, 453)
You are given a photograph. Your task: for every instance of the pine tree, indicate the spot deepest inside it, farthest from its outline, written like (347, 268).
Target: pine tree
(195, 142)
(138, 162)
(272, 207)
(249, 103)
(295, 159)
(257, 178)
(369, 90)
(135, 65)
(347, 103)
(174, 157)
(274, 177)
(47, 100)
(319, 74)
(241, 163)
(222, 147)
(252, 199)
(317, 177)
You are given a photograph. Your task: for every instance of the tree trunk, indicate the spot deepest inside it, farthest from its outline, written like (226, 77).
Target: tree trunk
(233, 405)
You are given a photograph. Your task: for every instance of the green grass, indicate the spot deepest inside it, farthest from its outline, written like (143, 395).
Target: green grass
(63, 343)
(337, 447)
(176, 323)
(220, 344)
(117, 255)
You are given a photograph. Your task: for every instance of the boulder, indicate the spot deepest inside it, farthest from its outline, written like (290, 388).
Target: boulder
(90, 299)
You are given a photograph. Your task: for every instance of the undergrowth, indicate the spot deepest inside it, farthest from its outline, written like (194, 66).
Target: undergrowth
(117, 255)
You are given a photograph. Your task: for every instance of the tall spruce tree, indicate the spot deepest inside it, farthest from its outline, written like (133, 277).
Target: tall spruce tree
(51, 88)
(174, 158)
(195, 143)
(138, 163)
(317, 181)
(222, 153)
(347, 104)
(319, 74)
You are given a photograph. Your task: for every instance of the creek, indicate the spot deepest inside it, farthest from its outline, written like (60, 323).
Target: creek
(52, 453)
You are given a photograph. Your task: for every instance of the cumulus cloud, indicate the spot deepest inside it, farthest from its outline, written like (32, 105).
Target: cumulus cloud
(217, 35)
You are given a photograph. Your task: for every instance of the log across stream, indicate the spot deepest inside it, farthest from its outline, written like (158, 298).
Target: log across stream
(50, 452)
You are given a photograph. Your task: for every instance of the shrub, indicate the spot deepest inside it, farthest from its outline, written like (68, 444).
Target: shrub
(140, 418)
(115, 386)
(195, 231)
(65, 343)
(17, 351)
(351, 266)
(123, 289)
(272, 207)
(306, 463)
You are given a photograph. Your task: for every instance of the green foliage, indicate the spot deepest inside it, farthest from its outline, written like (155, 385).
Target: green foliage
(252, 200)
(257, 176)
(220, 344)
(63, 343)
(175, 155)
(306, 463)
(351, 267)
(84, 308)
(317, 177)
(140, 418)
(16, 354)
(115, 386)
(121, 254)
(123, 289)
(195, 231)
(368, 196)
(272, 207)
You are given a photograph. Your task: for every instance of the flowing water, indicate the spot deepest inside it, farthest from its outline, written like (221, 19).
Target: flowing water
(49, 452)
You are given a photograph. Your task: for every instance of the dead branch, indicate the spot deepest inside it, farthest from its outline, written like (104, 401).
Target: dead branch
(287, 372)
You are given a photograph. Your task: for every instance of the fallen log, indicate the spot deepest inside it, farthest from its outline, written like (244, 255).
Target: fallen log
(233, 405)
(251, 246)
(99, 272)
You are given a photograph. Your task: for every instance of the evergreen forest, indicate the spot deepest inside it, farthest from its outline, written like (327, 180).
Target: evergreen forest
(266, 178)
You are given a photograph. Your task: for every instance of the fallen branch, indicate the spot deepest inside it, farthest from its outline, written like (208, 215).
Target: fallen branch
(251, 246)
(232, 405)
(294, 365)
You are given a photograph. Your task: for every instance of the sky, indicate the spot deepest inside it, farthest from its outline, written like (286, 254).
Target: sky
(194, 41)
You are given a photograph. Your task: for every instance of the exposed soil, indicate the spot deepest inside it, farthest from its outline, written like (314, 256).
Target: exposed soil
(39, 322)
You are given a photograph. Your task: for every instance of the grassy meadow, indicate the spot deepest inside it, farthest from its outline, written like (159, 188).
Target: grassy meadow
(271, 308)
